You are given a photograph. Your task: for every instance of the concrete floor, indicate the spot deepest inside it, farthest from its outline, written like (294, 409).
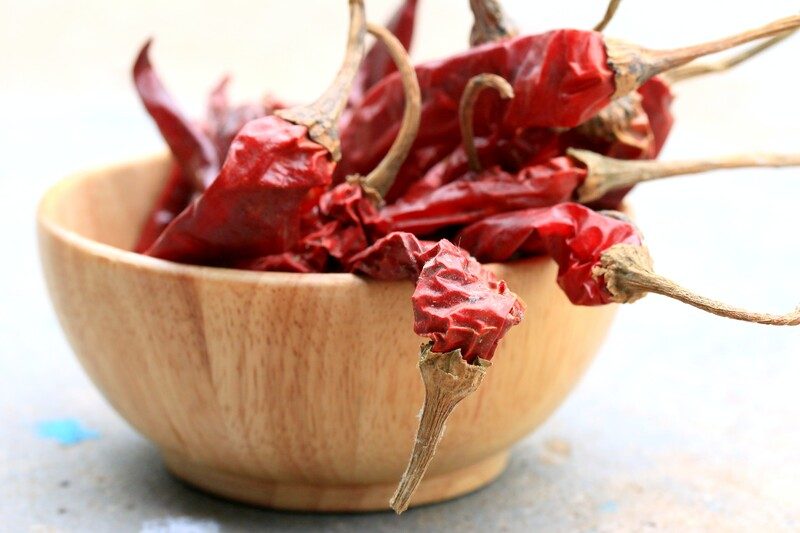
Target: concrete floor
(685, 422)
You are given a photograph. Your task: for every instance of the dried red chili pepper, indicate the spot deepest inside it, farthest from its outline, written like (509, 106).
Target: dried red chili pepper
(584, 176)
(560, 78)
(378, 63)
(346, 219)
(463, 309)
(191, 142)
(601, 258)
(275, 170)
(174, 197)
(191, 148)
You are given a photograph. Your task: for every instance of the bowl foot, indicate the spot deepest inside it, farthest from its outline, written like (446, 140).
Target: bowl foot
(341, 498)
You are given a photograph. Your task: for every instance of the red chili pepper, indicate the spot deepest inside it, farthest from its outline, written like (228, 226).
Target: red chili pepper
(474, 196)
(346, 219)
(275, 170)
(561, 79)
(465, 312)
(197, 149)
(461, 306)
(192, 149)
(600, 257)
(174, 197)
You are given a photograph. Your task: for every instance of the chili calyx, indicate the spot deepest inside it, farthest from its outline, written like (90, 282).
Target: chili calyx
(491, 22)
(448, 379)
(627, 271)
(606, 174)
(322, 116)
(633, 65)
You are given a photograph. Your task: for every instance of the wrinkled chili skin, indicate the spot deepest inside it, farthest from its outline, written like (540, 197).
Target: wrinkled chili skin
(344, 223)
(394, 257)
(572, 234)
(272, 175)
(190, 146)
(560, 79)
(476, 196)
(460, 305)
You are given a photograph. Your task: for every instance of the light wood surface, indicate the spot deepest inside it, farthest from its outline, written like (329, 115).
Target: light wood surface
(287, 390)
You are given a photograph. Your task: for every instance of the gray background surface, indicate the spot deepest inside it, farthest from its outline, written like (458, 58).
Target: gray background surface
(685, 421)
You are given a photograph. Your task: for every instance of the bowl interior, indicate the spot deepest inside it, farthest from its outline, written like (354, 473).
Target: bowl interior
(89, 204)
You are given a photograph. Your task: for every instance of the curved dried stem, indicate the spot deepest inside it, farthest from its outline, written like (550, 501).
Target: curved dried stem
(610, 11)
(694, 70)
(633, 65)
(606, 174)
(491, 22)
(322, 116)
(380, 180)
(448, 379)
(466, 106)
(628, 274)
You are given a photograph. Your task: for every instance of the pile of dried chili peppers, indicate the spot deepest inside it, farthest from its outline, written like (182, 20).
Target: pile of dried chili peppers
(515, 147)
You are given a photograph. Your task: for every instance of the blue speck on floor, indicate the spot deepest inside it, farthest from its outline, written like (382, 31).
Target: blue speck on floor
(609, 506)
(67, 431)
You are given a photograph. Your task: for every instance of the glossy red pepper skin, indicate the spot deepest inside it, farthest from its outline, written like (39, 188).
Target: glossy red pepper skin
(560, 79)
(475, 196)
(273, 174)
(572, 234)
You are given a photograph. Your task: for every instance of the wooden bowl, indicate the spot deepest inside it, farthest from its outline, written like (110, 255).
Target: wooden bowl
(292, 391)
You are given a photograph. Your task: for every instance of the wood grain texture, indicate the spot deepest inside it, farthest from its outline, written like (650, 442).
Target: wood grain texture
(296, 391)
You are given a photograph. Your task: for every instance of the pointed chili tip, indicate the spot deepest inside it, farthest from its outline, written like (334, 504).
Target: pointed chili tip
(143, 57)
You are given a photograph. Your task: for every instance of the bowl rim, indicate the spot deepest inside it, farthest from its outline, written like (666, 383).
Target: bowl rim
(113, 254)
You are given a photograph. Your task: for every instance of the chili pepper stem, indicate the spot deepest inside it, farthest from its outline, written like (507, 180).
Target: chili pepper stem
(378, 182)
(610, 11)
(448, 379)
(491, 22)
(466, 106)
(633, 65)
(628, 273)
(606, 174)
(694, 70)
(322, 116)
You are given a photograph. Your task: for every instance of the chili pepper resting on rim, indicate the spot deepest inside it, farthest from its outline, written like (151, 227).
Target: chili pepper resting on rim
(275, 170)
(463, 309)
(346, 220)
(560, 78)
(377, 63)
(600, 255)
